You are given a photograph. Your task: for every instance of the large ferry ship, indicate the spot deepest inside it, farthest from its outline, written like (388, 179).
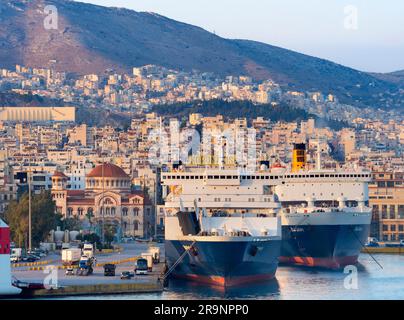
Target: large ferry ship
(6, 288)
(325, 216)
(218, 229)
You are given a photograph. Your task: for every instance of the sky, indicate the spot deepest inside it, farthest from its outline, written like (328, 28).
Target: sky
(363, 34)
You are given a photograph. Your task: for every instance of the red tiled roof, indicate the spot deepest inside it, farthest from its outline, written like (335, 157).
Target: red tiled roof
(75, 193)
(107, 170)
(59, 174)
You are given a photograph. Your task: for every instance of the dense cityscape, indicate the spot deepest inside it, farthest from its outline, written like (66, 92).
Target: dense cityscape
(51, 142)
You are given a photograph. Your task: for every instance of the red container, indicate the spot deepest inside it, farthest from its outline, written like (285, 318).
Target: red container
(4, 240)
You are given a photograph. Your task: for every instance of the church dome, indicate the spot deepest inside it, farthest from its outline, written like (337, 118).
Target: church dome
(108, 177)
(107, 170)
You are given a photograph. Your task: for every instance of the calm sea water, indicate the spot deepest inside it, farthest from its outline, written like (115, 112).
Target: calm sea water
(374, 281)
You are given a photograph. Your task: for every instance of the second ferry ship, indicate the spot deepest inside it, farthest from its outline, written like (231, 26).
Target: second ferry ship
(325, 216)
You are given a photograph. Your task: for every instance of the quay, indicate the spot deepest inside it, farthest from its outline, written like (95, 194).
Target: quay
(53, 276)
(386, 250)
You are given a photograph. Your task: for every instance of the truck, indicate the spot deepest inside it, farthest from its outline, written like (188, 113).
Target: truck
(109, 270)
(88, 250)
(155, 251)
(71, 257)
(65, 245)
(141, 267)
(16, 255)
(149, 258)
(86, 266)
(372, 242)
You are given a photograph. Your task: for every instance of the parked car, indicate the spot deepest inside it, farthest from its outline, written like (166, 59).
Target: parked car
(29, 258)
(70, 272)
(126, 275)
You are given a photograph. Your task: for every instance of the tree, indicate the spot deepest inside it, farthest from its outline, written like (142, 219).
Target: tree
(109, 233)
(44, 218)
(90, 216)
(70, 224)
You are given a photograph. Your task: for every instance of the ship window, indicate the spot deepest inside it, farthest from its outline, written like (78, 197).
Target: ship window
(216, 177)
(228, 177)
(235, 177)
(223, 177)
(210, 177)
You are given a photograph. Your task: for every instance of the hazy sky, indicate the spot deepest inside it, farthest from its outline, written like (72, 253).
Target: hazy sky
(320, 28)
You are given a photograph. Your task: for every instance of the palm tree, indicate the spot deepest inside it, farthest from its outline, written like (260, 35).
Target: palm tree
(89, 216)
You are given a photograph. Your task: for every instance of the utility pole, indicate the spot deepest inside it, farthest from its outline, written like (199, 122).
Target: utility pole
(102, 206)
(155, 206)
(29, 207)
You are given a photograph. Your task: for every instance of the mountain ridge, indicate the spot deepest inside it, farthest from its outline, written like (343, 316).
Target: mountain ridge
(92, 39)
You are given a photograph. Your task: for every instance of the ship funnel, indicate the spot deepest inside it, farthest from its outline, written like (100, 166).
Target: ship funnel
(299, 157)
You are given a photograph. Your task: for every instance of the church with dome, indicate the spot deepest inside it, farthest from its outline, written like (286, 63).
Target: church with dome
(107, 198)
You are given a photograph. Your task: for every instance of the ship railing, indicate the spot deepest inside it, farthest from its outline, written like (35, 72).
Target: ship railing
(324, 209)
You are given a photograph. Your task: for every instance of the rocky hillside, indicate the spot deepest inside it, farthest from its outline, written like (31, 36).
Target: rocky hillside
(91, 39)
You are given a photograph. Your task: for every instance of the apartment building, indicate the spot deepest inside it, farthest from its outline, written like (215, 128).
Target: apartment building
(386, 197)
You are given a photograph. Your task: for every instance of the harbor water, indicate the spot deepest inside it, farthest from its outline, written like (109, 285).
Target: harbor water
(379, 276)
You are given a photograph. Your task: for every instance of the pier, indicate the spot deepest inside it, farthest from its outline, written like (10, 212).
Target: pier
(52, 274)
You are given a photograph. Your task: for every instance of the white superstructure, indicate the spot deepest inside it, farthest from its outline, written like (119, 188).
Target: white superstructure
(342, 194)
(227, 202)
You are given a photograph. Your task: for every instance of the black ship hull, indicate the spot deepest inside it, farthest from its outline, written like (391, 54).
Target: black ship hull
(328, 246)
(223, 263)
